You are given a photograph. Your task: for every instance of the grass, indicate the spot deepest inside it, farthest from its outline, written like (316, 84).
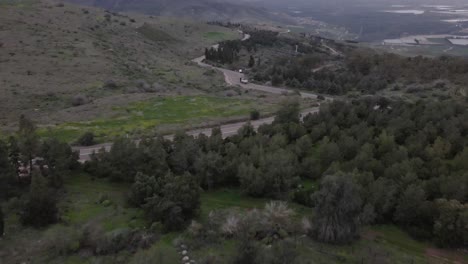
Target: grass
(147, 115)
(391, 235)
(18, 3)
(234, 198)
(228, 198)
(154, 34)
(215, 35)
(83, 204)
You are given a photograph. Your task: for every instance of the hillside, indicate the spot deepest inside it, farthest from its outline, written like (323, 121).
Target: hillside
(71, 63)
(208, 10)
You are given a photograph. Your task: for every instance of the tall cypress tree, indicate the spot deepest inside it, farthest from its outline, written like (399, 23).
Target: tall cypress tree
(2, 222)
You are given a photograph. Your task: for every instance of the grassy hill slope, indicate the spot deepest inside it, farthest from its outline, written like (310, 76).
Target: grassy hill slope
(62, 62)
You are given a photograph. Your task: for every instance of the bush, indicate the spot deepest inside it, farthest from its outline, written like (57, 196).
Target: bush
(87, 139)
(110, 84)
(254, 114)
(61, 240)
(78, 100)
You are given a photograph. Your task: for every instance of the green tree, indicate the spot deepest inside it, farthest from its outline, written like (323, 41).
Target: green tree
(177, 203)
(87, 139)
(14, 154)
(450, 225)
(2, 222)
(251, 61)
(28, 140)
(408, 209)
(39, 207)
(60, 160)
(209, 169)
(6, 173)
(288, 112)
(153, 157)
(144, 187)
(338, 210)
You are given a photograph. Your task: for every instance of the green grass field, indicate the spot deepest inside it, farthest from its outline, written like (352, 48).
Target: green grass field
(85, 202)
(147, 115)
(216, 35)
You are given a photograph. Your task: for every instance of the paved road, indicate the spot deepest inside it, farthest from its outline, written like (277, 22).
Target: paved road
(227, 130)
(232, 78)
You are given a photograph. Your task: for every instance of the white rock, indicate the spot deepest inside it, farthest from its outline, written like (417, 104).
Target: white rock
(184, 252)
(185, 259)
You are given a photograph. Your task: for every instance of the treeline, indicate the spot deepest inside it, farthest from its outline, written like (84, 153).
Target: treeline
(225, 53)
(377, 162)
(361, 70)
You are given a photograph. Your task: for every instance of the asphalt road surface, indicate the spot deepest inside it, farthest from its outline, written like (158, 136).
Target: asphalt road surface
(227, 130)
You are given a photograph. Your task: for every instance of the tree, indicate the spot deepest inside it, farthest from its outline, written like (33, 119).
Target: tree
(144, 187)
(2, 223)
(251, 61)
(450, 225)
(153, 157)
(408, 209)
(254, 114)
(208, 167)
(288, 113)
(14, 154)
(39, 207)
(177, 203)
(59, 158)
(87, 139)
(28, 140)
(6, 172)
(338, 210)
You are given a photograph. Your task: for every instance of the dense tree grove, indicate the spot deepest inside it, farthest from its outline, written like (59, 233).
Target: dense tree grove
(356, 72)
(225, 53)
(378, 161)
(32, 170)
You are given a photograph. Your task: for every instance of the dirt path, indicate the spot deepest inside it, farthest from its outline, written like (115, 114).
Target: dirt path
(437, 255)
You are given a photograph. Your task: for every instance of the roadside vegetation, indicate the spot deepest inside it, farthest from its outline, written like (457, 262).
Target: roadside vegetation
(339, 186)
(144, 117)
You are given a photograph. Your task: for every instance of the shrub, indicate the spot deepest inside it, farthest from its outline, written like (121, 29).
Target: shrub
(87, 139)
(254, 114)
(110, 84)
(61, 240)
(78, 100)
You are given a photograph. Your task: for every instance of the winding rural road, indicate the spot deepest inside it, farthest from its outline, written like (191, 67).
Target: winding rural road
(232, 78)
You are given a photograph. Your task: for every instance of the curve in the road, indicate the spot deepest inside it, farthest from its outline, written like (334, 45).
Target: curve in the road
(231, 78)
